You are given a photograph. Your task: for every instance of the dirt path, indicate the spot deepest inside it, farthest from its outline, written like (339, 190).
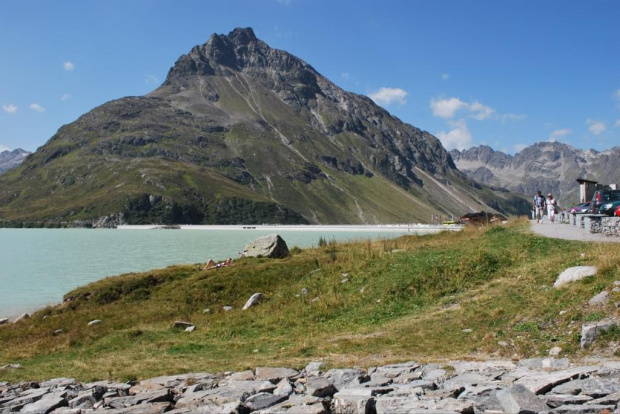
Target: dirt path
(568, 232)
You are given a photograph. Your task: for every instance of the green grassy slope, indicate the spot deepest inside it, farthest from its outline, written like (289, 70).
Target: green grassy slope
(393, 300)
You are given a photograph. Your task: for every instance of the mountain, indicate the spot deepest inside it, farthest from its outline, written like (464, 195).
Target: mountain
(11, 159)
(242, 133)
(552, 167)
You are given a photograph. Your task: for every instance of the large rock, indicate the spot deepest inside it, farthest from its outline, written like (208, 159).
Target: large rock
(573, 274)
(272, 246)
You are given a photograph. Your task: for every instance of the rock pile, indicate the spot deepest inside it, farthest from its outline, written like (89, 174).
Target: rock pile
(529, 386)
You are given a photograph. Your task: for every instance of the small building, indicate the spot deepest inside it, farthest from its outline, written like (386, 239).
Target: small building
(586, 189)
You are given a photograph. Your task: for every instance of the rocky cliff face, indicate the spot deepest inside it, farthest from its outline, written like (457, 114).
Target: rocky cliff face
(11, 159)
(243, 133)
(549, 166)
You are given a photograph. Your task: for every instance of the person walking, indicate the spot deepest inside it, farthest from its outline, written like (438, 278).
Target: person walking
(539, 206)
(552, 205)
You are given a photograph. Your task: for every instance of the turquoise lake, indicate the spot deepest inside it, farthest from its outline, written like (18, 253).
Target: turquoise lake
(40, 265)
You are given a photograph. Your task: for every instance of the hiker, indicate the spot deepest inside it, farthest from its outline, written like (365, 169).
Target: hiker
(552, 206)
(539, 206)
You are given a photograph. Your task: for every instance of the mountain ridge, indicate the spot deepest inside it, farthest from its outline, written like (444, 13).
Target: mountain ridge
(239, 128)
(11, 159)
(552, 167)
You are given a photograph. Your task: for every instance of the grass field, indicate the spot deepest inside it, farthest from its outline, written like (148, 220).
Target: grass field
(479, 293)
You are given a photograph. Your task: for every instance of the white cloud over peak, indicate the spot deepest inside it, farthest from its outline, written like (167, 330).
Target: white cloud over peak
(37, 107)
(479, 111)
(558, 133)
(68, 65)
(447, 108)
(459, 137)
(9, 109)
(387, 96)
(596, 127)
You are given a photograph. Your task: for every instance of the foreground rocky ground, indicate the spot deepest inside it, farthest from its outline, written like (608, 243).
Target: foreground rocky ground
(538, 385)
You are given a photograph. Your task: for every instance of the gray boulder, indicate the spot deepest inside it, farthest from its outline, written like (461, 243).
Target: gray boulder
(272, 246)
(518, 399)
(590, 331)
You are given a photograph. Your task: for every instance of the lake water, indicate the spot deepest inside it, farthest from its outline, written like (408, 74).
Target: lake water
(40, 265)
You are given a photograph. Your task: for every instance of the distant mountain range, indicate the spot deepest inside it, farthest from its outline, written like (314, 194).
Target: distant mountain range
(11, 159)
(551, 167)
(243, 133)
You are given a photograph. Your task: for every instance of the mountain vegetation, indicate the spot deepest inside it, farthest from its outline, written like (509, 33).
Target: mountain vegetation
(242, 133)
(480, 293)
(551, 167)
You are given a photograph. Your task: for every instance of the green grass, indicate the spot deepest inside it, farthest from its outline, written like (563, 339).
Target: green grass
(367, 303)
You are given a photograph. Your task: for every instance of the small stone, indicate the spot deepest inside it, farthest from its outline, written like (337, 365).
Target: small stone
(502, 343)
(562, 312)
(94, 322)
(227, 308)
(600, 299)
(555, 351)
(190, 328)
(344, 281)
(3, 321)
(11, 366)
(182, 324)
(206, 310)
(467, 330)
(315, 299)
(304, 291)
(253, 301)
(22, 317)
(58, 332)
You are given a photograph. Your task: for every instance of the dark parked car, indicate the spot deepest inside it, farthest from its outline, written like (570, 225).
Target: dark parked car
(609, 208)
(580, 208)
(601, 197)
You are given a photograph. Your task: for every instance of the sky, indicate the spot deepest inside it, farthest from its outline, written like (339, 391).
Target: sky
(506, 74)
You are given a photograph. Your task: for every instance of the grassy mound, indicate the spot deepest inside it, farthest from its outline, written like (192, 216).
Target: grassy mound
(473, 294)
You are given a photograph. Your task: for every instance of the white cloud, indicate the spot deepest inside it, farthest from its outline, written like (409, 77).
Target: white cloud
(345, 75)
(65, 97)
(617, 94)
(447, 108)
(596, 127)
(9, 109)
(519, 147)
(37, 107)
(459, 137)
(386, 96)
(151, 79)
(512, 117)
(3, 148)
(445, 76)
(617, 124)
(68, 65)
(479, 111)
(558, 133)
